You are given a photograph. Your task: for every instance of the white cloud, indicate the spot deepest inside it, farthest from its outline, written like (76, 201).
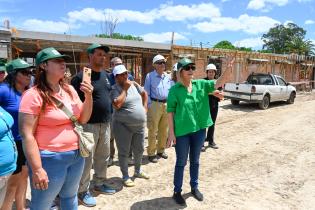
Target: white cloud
(250, 42)
(165, 11)
(86, 15)
(248, 24)
(162, 37)
(93, 15)
(264, 4)
(185, 12)
(47, 26)
(309, 22)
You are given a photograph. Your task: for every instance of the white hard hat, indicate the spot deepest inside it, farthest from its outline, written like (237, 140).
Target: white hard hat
(211, 67)
(119, 70)
(158, 58)
(175, 67)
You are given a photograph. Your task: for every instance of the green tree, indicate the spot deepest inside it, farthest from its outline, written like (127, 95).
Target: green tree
(120, 36)
(228, 45)
(309, 48)
(224, 45)
(264, 51)
(301, 47)
(247, 49)
(287, 38)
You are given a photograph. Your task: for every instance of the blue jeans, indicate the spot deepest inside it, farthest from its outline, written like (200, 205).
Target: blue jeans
(64, 170)
(190, 143)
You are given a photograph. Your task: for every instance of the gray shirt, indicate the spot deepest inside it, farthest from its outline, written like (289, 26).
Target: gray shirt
(132, 110)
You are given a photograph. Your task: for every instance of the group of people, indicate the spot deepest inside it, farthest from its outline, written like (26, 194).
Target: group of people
(35, 129)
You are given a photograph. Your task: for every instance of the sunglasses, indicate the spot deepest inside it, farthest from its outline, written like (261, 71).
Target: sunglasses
(2, 72)
(26, 72)
(160, 62)
(187, 68)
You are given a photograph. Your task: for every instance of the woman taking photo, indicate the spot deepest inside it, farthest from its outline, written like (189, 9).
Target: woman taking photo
(188, 115)
(49, 140)
(16, 82)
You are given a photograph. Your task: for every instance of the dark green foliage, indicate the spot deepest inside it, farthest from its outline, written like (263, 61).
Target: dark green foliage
(120, 36)
(285, 39)
(228, 45)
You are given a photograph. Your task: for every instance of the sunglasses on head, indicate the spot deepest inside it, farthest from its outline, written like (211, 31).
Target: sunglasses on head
(26, 72)
(160, 62)
(187, 68)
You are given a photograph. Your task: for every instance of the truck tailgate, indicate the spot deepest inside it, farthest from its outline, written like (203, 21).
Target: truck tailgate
(240, 91)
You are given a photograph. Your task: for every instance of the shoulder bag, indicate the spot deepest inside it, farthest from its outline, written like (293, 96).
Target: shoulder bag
(86, 139)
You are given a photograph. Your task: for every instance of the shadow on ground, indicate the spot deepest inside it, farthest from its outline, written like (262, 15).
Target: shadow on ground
(248, 107)
(164, 203)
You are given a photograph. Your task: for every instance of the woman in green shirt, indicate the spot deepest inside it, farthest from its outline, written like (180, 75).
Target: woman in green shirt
(188, 115)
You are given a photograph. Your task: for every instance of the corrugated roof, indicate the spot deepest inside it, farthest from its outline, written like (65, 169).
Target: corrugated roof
(21, 34)
(258, 59)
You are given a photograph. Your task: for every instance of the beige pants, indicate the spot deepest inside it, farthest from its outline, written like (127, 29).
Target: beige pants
(99, 157)
(157, 128)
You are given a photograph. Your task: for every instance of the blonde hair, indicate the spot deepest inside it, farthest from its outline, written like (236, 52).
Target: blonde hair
(178, 76)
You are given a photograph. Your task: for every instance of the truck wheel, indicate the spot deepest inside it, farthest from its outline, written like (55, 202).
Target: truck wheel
(235, 102)
(264, 104)
(291, 99)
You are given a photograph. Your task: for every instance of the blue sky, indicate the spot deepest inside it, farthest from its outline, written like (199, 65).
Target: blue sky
(241, 22)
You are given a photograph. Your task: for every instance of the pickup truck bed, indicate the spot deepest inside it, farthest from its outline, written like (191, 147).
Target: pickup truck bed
(261, 89)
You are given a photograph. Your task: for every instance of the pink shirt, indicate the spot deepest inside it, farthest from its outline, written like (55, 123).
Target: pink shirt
(54, 131)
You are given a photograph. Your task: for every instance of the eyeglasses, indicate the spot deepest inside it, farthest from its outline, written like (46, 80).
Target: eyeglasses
(187, 68)
(26, 72)
(160, 62)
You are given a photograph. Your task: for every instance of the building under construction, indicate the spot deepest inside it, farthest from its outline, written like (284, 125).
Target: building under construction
(299, 70)
(137, 56)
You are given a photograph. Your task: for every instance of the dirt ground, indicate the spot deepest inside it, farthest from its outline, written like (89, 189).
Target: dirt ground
(265, 160)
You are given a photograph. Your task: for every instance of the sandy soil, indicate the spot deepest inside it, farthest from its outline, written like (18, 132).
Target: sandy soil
(266, 160)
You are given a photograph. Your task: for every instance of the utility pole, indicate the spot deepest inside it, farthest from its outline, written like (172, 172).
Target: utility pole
(172, 40)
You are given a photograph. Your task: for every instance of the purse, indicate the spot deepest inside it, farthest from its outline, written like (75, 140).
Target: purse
(86, 139)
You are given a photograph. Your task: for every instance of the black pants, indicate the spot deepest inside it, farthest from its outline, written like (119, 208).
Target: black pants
(210, 133)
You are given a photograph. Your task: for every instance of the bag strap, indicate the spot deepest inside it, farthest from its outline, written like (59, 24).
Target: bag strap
(61, 106)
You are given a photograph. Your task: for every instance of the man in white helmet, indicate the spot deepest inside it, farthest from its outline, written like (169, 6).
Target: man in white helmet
(211, 71)
(157, 84)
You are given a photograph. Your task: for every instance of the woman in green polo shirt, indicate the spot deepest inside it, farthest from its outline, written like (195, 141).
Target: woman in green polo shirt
(188, 114)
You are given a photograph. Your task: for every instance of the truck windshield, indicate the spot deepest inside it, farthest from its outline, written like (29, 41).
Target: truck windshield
(260, 80)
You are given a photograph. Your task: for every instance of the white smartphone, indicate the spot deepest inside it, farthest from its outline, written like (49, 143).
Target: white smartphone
(87, 74)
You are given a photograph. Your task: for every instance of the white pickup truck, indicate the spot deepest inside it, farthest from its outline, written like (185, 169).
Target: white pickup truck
(262, 89)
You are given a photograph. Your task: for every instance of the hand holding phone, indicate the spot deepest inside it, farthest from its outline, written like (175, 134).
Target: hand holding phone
(87, 75)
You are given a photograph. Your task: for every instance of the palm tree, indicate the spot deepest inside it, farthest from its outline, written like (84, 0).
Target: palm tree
(300, 46)
(309, 48)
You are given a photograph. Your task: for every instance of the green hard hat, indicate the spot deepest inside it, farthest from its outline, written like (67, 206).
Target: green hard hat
(17, 64)
(47, 54)
(94, 46)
